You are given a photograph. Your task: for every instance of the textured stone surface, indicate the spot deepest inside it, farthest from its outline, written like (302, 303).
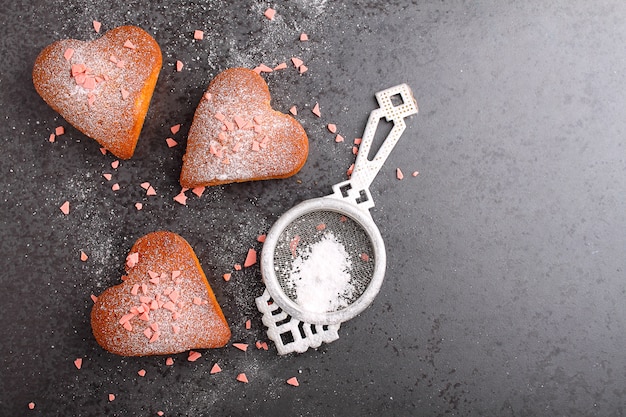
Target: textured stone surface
(505, 270)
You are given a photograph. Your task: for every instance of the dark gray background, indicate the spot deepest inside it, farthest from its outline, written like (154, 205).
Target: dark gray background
(505, 282)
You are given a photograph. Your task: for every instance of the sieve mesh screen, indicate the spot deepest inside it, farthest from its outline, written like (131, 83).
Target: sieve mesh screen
(295, 245)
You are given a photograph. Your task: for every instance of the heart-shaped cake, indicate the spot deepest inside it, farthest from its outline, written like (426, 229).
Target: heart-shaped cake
(164, 305)
(236, 136)
(102, 87)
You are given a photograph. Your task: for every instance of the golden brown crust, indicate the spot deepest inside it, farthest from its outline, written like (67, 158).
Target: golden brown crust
(236, 136)
(192, 320)
(102, 111)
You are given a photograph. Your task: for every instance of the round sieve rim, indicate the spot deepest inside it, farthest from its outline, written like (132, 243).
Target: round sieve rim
(363, 219)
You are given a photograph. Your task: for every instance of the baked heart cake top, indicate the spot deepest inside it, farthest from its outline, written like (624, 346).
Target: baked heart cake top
(102, 87)
(236, 136)
(165, 304)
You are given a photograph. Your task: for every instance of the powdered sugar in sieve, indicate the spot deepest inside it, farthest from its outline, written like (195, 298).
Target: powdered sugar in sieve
(323, 261)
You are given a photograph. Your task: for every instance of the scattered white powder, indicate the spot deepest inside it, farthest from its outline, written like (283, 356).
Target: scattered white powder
(321, 276)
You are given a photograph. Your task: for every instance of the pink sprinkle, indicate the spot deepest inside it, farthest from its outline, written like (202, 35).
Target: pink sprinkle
(115, 187)
(107, 176)
(248, 324)
(174, 129)
(96, 26)
(174, 295)
(242, 378)
(169, 362)
(293, 381)
(357, 141)
(281, 66)
(179, 66)
(237, 267)
(141, 372)
(258, 344)
(144, 316)
(264, 68)
(176, 274)
(51, 138)
(197, 301)
(138, 206)
(65, 208)
(215, 369)
(103, 151)
(31, 406)
(297, 62)
(171, 142)
(270, 13)
(293, 245)
(240, 122)
(303, 69)
(365, 257)
(145, 185)
(293, 110)
(150, 191)
(350, 170)
(227, 276)
(261, 238)
(83, 256)
(78, 362)
(111, 397)
(198, 35)
(181, 198)
(332, 128)
(355, 150)
(132, 259)
(160, 413)
(304, 37)
(115, 164)
(316, 110)
(415, 173)
(193, 356)
(59, 130)
(250, 258)
(126, 317)
(128, 44)
(125, 93)
(154, 337)
(339, 138)
(148, 332)
(320, 227)
(198, 191)
(120, 64)
(241, 346)
(399, 174)
(69, 52)
(93, 298)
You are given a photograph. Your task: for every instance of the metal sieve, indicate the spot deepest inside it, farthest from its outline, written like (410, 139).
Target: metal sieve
(342, 218)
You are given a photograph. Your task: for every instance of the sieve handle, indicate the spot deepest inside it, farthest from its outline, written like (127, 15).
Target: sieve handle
(365, 170)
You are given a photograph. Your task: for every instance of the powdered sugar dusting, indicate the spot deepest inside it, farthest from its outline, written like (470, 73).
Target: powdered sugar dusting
(98, 107)
(236, 136)
(321, 276)
(165, 305)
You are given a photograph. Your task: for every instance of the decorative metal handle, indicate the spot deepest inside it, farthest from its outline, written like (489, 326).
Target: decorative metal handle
(365, 170)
